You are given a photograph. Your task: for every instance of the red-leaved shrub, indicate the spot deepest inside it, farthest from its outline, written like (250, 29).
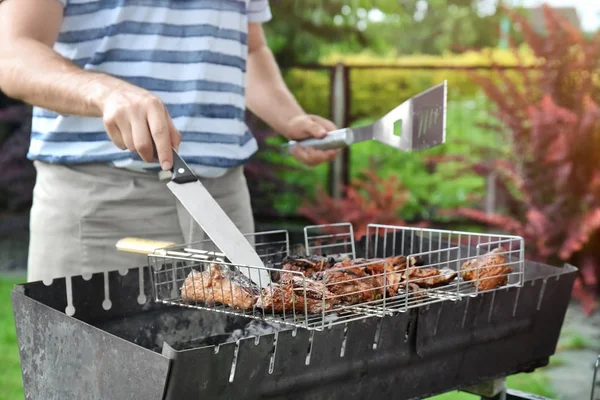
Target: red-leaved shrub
(368, 199)
(550, 185)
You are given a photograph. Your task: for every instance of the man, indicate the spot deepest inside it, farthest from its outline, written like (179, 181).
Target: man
(114, 80)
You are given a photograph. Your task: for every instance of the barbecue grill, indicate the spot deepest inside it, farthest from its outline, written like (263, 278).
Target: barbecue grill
(133, 335)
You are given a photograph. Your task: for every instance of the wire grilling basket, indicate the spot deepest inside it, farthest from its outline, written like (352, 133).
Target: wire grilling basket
(324, 283)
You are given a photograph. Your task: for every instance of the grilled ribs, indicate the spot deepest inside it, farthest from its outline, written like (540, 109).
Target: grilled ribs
(289, 296)
(219, 285)
(308, 266)
(493, 271)
(430, 277)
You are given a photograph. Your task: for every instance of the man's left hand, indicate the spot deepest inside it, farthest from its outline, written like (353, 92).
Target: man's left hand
(308, 126)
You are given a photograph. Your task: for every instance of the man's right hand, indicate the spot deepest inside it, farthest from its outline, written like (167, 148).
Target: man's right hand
(138, 121)
(32, 72)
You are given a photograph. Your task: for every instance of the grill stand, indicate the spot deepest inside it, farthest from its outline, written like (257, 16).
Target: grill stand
(151, 351)
(497, 390)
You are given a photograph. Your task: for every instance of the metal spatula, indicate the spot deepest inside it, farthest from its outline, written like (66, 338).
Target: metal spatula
(188, 189)
(418, 123)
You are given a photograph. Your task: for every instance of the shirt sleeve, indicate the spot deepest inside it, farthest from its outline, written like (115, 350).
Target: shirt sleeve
(259, 11)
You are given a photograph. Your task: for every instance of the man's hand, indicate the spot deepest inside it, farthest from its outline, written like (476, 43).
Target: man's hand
(138, 121)
(307, 126)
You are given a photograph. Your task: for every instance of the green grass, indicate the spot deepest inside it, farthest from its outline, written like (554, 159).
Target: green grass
(534, 383)
(10, 370)
(572, 341)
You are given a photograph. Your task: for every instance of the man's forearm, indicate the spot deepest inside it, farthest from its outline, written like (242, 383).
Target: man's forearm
(32, 72)
(267, 95)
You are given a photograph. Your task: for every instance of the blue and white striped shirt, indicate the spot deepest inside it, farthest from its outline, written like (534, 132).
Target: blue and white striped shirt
(190, 53)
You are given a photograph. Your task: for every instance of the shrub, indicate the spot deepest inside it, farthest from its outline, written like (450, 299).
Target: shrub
(18, 174)
(369, 199)
(376, 91)
(551, 179)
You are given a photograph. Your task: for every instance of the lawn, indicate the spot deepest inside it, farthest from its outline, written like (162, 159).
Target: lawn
(10, 372)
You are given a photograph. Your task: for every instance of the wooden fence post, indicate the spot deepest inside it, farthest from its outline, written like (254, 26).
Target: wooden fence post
(339, 102)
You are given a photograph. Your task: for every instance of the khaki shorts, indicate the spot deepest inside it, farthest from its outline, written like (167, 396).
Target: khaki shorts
(79, 213)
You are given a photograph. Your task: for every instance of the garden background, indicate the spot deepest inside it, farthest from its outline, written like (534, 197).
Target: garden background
(521, 157)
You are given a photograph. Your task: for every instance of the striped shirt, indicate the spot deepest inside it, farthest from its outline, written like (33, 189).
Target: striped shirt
(190, 53)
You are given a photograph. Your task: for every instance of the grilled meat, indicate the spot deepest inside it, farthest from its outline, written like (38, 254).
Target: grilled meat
(289, 296)
(416, 292)
(219, 285)
(352, 283)
(309, 266)
(384, 274)
(429, 277)
(493, 271)
(362, 280)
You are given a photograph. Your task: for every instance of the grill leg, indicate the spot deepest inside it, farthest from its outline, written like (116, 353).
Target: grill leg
(499, 396)
(491, 390)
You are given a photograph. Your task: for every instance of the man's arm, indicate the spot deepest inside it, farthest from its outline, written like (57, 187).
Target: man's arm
(269, 98)
(32, 72)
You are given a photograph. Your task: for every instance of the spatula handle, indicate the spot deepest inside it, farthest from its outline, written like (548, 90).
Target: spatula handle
(334, 140)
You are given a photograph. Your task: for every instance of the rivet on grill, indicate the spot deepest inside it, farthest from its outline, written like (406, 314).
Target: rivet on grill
(377, 334)
(539, 304)
(465, 313)
(310, 345)
(106, 304)
(516, 302)
(70, 310)
(86, 276)
(273, 353)
(407, 331)
(181, 170)
(437, 320)
(345, 338)
(47, 281)
(141, 297)
(234, 361)
(491, 306)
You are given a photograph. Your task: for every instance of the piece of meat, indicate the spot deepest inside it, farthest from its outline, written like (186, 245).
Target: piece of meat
(352, 283)
(219, 285)
(289, 297)
(308, 266)
(362, 280)
(493, 271)
(430, 277)
(385, 275)
(415, 293)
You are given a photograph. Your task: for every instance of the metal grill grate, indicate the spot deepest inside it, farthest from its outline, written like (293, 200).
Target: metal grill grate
(327, 284)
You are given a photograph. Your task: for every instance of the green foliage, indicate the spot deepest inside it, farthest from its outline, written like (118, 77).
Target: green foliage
(303, 31)
(10, 370)
(373, 92)
(310, 87)
(376, 91)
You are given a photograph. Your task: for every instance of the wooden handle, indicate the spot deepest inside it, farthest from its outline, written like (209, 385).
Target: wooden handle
(141, 246)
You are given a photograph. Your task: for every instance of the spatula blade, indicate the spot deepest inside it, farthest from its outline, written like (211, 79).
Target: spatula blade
(429, 118)
(217, 225)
